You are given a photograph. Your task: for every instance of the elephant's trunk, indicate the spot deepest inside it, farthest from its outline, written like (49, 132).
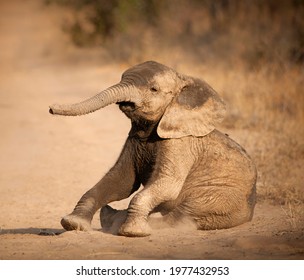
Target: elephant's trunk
(120, 92)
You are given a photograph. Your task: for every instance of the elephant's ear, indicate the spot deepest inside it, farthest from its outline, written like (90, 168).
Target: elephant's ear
(195, 111)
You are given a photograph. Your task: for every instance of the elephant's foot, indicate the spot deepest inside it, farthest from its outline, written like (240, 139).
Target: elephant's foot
(112, 219)
(135, 228)
(107, 215)
(73, 222)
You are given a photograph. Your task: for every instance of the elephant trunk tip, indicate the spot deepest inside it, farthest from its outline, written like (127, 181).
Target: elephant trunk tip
(54, 109)
(57, 110)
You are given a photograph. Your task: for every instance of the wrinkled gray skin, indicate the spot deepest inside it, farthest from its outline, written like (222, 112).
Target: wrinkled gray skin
(187, 167)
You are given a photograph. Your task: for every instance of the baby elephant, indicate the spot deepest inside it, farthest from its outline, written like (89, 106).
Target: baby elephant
(187, 167)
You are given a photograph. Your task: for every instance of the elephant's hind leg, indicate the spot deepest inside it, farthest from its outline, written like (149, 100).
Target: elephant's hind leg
(213, 208)
(112, 219)
(214, 221)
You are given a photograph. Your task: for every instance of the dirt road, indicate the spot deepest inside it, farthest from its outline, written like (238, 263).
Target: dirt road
(48, 162)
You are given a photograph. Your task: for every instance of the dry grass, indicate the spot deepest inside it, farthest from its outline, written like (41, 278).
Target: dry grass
(294, 214)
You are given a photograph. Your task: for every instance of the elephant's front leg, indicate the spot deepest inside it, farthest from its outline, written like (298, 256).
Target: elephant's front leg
(166, 182)
(119, 183)
(136, 224)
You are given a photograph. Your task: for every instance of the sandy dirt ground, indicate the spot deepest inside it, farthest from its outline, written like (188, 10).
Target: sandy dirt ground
(48, 162)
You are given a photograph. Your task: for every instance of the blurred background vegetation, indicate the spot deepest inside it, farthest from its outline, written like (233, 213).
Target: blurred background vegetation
(251, 52)
(253, 32)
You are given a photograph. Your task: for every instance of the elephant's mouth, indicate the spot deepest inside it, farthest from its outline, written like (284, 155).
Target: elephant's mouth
(127, 106)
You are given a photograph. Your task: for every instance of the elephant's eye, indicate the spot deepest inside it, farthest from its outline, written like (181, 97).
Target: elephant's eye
(154, 89)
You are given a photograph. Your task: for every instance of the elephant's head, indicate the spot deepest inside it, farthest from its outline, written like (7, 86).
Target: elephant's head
(154, 93)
